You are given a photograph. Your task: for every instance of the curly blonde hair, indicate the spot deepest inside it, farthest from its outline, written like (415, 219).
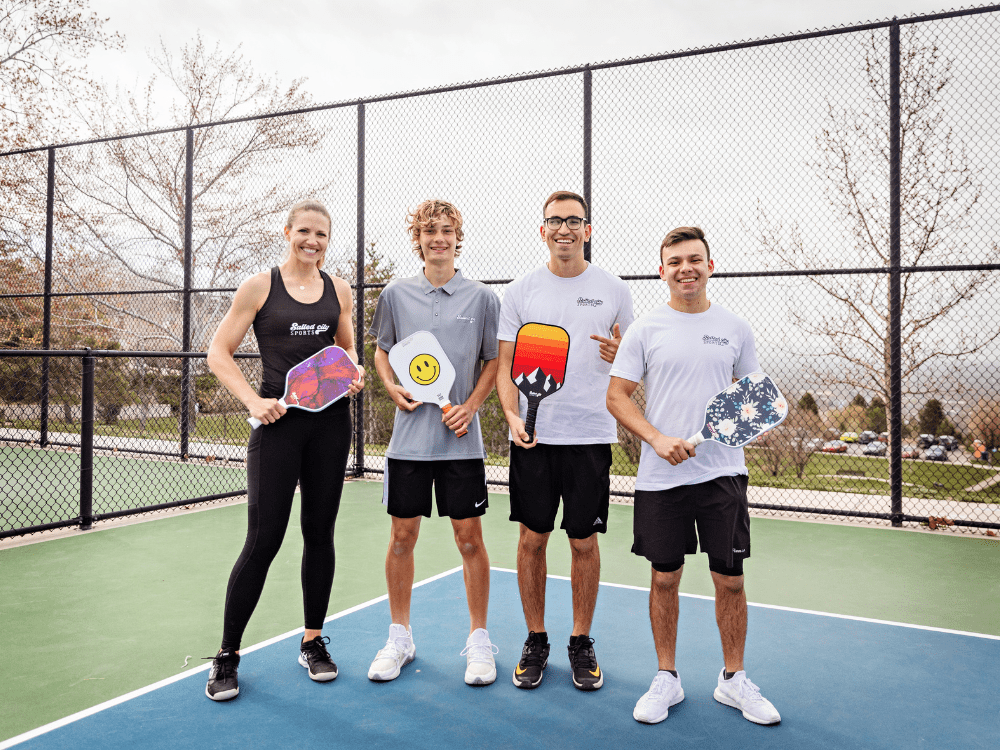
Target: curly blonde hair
(424, 215)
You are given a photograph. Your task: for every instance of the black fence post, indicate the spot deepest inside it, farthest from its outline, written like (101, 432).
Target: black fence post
(587, 132)
(895, 325)
(359, 400)
(185, 422)
(87, 445)
(50, 193)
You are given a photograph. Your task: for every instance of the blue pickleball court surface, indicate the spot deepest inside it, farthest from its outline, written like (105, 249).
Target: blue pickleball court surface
(838, 683)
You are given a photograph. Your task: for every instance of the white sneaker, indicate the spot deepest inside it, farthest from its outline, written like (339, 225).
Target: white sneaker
(398, 652)
(740, 693)
(666, 691)
(481, 668)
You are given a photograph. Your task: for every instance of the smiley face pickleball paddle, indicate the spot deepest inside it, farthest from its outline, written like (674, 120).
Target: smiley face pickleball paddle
(539, 366)
(315, 383)
(424, 370)
(745, 410)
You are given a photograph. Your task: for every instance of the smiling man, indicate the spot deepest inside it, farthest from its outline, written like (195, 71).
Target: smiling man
(426, 449)
(569, 456)
(687, 351)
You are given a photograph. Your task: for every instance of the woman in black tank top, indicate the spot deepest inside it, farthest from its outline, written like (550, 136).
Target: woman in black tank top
(295, 309)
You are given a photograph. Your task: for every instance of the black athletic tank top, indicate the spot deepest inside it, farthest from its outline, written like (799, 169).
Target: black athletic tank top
(289, 331)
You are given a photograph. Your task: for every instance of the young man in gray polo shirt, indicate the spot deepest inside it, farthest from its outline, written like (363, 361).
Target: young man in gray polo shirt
(424, 449)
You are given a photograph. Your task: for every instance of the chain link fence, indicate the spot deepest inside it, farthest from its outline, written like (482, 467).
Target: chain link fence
(846, 180)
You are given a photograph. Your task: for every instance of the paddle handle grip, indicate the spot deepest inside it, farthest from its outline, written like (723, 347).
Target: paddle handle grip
(255, 423)
(696, 440)
(529, 422)
(464, 431)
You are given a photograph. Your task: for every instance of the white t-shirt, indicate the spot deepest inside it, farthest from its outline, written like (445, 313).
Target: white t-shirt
(590, 303)
(686, 359)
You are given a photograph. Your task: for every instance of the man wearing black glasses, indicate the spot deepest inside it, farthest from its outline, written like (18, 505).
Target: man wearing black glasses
(569, 456)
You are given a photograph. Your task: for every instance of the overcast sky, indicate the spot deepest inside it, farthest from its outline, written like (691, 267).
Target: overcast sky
(351, 49)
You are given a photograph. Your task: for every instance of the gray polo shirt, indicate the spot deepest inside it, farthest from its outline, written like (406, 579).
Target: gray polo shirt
(463, 315)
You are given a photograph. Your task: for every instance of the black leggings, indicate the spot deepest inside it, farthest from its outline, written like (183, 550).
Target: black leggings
(305, 448)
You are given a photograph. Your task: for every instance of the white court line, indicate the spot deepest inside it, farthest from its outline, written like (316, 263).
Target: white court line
(793, 609)
(203, 668)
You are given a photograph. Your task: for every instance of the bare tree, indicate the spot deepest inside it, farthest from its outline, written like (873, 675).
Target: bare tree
(127, 197)
(42, 45)
(938, 196)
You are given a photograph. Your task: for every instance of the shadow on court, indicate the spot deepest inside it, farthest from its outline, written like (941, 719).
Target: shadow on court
(838, 683)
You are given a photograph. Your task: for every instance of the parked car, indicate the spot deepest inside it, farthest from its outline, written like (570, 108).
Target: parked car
(815, 444)
(926, 441)
(834, 446)
(849, 437)
(866, 437)
(874, 449)
(936, 453)
(948, 442)
(910, 453)
(883, 437)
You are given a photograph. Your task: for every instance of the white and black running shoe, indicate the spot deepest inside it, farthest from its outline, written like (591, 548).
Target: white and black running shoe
(222, 684)
(314, 657)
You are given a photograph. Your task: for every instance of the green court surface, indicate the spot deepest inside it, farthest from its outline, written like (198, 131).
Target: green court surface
(98, 614)
(43, 485)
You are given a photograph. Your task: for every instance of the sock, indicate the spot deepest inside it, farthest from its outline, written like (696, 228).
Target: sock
(670, 671)
(543, 636)
(727, 675)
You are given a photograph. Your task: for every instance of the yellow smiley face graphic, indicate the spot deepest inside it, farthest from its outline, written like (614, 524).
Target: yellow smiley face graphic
(424, 369)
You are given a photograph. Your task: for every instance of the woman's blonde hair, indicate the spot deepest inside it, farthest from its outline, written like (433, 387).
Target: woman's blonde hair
(309, 205)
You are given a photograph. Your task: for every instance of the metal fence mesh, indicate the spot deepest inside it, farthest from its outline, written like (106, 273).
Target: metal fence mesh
(779, 149)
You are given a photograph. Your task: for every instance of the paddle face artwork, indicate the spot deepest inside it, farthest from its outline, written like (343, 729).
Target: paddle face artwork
(320, 380)
(539, 365)
(748, 408)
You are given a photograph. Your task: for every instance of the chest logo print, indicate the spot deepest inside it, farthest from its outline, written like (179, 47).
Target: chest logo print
(714, 340)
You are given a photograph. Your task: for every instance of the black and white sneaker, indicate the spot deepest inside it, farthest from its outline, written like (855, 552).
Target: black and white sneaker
(587, 675)
(534, 658)
(222, 684)
(314, 657)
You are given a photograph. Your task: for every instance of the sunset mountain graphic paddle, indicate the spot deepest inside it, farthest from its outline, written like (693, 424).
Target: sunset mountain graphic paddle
(315, 383)
(539, 366)
(745, 410)
(424, 370)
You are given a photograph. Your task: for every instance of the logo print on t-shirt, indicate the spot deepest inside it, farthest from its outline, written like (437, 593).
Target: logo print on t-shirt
(717, 341)
(307, 329)
(585, 302)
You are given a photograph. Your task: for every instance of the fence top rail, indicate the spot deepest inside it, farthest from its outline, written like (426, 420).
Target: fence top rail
(112, 353)
(517, 78)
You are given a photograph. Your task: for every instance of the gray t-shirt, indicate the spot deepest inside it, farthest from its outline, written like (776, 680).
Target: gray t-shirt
(463, 316)
(685, 359)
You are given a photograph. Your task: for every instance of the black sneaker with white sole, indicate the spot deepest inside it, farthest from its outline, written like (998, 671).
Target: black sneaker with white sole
(534, 658)
(587, 675)
(222, 684)
(314, 657)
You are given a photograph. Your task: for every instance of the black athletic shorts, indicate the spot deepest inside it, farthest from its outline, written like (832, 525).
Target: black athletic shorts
(459, 487)
(580, 474)
(664, 521)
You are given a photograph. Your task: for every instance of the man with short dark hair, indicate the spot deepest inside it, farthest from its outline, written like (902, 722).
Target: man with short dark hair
(686, 351)
(569, 456)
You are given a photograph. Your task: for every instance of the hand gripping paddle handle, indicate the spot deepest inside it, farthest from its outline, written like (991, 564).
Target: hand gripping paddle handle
(255, 423)
(529, 421)
(447, 408)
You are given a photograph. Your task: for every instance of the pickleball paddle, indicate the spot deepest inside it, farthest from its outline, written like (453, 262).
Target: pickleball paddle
(539, 366)
(315, 383)
(747, 409)
(424, 370)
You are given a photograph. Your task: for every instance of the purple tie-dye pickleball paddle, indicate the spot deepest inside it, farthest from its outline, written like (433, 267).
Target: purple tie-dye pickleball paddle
(747, 409)
(315, 383)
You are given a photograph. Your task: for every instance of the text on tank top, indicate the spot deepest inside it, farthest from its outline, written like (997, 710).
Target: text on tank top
(289, 331)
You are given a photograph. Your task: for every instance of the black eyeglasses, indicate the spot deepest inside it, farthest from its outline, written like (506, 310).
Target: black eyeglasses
(573, 222)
